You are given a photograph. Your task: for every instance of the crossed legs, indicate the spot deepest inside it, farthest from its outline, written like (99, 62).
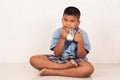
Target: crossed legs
(47, 67)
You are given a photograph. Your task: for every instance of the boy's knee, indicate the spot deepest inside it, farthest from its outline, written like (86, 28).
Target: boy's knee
(33, 60)
(88, 72)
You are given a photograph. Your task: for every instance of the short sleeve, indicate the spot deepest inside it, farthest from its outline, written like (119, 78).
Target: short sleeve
(55, 38)
(86, 41)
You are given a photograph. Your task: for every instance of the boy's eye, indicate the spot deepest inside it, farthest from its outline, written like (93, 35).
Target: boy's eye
(65, 19)
(72, 20)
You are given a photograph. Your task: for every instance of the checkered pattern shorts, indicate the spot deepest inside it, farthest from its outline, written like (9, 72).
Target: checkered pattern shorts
(62, 59)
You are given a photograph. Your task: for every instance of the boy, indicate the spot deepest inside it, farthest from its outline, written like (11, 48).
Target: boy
(69, 57)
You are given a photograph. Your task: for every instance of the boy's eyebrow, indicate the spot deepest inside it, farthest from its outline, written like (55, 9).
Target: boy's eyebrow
(70, 20)
(64, 18)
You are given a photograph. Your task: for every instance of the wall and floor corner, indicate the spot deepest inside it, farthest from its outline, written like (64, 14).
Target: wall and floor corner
(26, 27)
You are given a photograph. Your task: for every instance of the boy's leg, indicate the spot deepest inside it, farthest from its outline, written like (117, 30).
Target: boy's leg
(41, 61)
(85, 69)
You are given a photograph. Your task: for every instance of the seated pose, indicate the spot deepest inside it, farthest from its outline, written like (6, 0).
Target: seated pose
(70, 45)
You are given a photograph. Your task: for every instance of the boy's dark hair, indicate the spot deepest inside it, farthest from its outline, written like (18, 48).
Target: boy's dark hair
(72, 11)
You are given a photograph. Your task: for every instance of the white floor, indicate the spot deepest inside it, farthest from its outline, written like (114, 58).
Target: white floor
(24, 71)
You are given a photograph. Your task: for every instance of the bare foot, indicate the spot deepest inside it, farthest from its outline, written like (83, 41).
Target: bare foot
(74, 63)
(43, 72)
(70, 64)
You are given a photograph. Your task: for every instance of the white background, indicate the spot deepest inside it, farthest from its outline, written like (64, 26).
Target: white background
(26, 27)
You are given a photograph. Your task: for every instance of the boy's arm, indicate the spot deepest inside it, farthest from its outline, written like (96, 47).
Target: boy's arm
(81, 52)
(58, 49)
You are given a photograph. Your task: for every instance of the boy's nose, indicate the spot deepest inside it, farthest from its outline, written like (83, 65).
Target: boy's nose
(68, 24)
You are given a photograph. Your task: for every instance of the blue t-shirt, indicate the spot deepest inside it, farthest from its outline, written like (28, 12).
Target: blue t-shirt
(70, 47)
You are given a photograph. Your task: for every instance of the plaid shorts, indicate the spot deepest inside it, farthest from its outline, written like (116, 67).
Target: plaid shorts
(63, 59)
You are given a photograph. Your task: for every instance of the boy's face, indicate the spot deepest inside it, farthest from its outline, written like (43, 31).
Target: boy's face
(70, 21)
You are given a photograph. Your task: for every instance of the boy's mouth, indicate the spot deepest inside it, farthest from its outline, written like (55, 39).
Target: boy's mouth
(68, 29)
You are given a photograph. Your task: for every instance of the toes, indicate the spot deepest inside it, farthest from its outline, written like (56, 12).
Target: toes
(42, 72)
(74, 63)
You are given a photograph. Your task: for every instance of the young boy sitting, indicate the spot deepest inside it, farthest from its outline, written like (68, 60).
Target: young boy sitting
(70, 45)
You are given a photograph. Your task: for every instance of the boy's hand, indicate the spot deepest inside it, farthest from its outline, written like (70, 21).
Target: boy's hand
(63, 33)
(78, 37)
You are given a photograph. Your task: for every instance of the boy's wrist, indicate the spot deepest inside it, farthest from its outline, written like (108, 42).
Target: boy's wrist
(75, 41)
(62, 38)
